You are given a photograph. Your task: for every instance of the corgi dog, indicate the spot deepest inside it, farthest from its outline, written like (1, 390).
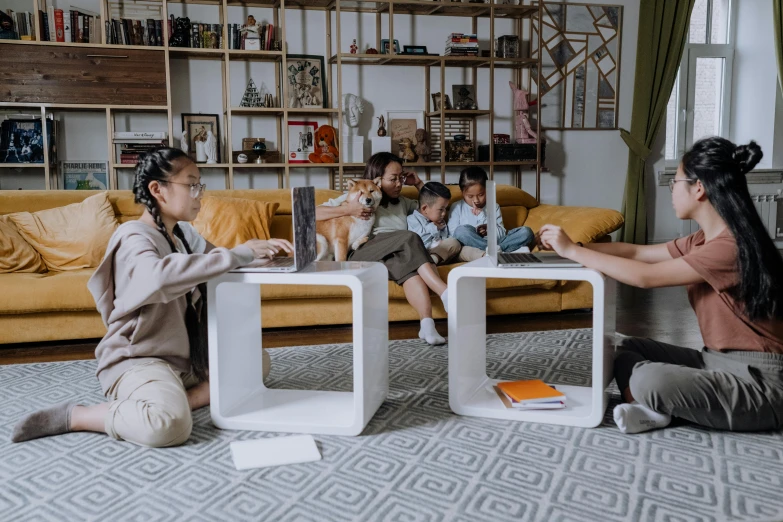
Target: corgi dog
(340, 235)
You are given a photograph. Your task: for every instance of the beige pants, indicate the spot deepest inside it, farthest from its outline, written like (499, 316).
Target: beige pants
(450, 250)
(150, 407)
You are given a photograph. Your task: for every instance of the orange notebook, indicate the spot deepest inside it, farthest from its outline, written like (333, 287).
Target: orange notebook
(530, 391)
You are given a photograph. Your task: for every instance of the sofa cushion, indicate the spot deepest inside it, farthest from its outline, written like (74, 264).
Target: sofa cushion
(71, 237)
(47, 292)
(16, 255)
(228, 222)
(585, 224)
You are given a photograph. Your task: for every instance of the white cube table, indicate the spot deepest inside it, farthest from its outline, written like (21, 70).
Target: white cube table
(239, 398)
(470, 390)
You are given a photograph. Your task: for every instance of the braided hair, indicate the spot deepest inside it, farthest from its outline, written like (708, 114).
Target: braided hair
(158, 165)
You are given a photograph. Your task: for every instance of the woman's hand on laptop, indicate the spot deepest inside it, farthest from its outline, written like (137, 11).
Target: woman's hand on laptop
(268, 248)
(552, 237)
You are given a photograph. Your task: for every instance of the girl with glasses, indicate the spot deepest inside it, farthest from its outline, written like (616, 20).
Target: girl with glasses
(734, 276)
(150, 290)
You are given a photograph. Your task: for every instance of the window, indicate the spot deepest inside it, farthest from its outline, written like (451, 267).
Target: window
(699, 104)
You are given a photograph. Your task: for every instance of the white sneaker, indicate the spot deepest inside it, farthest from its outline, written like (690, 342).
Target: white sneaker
(521, 250)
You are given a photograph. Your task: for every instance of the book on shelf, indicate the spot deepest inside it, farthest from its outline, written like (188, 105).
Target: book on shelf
(23, 26)
(530, 395)
(85, 175)
(144, 135)
(21, 140)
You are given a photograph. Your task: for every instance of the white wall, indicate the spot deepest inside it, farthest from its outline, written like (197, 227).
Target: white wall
(756, 110)
(588, 167)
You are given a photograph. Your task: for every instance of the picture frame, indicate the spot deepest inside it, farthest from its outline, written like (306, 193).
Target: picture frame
(460, 151)
(464, 96)
(197, 127)
(436, 100)
(307, 83)
(385, 46)
(415, 49)
(403, 124)
(301, 141)
(85, 174)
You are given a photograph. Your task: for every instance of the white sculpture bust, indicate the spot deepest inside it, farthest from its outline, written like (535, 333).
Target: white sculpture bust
(353, 107)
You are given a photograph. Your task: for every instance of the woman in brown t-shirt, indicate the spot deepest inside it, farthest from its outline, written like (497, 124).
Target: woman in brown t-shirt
(734, 277)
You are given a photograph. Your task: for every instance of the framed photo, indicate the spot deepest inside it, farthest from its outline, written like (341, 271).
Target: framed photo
(464, 96)
(198, 127)
(85, 175)
(414, 49)
(403, 124)
(307, 87)
(385, 46)
(459, 150)
(436, 101)
(300, 141)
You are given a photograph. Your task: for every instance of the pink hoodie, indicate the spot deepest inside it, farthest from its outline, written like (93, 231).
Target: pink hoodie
(139, 290)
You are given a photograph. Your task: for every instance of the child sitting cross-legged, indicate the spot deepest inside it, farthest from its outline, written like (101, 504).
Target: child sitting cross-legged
(429, 222)
(468, 218)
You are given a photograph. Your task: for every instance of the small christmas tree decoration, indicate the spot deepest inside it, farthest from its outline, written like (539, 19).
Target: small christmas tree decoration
(251, 98)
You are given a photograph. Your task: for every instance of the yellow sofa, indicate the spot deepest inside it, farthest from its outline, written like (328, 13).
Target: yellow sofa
(57, 305)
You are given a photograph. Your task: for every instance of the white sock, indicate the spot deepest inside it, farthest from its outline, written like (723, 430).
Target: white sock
(429, 333)
(521, 250)
(445, 298)
(636, 418)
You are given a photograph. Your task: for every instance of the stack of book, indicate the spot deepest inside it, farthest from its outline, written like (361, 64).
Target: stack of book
(462, 44)
(23, 27)
(126, 31)
(530, 395)
(68, 25)
(131, 145)
(236, 38)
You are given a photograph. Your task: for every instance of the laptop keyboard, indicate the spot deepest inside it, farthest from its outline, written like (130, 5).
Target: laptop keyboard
(279, 261)
(518, 258)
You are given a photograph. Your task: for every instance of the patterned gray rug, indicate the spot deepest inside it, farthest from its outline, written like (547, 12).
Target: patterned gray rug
(416, 461)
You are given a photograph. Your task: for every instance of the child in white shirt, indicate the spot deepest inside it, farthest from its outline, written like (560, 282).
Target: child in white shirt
(468, 218)
(429, 222)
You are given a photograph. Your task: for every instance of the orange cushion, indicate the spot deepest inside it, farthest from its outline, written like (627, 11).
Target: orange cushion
(228, 222)
(16, 255)
(71, 237)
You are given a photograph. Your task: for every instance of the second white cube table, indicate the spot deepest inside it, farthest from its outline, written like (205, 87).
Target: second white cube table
(470, 390)
(239, 398)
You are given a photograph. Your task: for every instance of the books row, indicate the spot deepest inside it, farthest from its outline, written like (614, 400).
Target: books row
(131, 145)
(126, 31)
(254, 37)
(22, 26)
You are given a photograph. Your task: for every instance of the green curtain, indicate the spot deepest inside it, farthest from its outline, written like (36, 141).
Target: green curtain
(777, 22)
(663, 28)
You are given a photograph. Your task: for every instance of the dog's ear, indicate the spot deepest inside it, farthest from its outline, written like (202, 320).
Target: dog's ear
(351, 183)
(377, 181)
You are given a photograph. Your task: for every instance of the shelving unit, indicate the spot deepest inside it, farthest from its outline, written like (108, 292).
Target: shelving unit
(433, 67)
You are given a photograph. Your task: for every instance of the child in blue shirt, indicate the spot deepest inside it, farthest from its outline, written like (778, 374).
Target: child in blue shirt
(429, 222)
(468, 218)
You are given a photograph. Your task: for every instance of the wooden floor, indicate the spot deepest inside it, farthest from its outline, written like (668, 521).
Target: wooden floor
(662, 313)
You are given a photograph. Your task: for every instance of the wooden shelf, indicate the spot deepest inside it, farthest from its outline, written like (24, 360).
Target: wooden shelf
(267, 56)
(188, 52)
(312, 111)
(22, 166)
(251, 165)
(433, 61)
(274, 111)
(456, 113)
(213, 165)
(85, 107)
(83, 45)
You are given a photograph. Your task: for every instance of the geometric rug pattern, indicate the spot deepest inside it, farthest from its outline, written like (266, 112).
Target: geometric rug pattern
(415, 462)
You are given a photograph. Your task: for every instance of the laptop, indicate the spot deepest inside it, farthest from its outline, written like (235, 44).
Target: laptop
(521, 260)
(303, 213)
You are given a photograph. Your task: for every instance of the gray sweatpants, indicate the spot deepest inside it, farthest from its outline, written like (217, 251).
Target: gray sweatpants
(736, 390)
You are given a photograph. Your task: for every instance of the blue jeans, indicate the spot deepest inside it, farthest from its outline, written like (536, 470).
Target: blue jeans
(518, 237)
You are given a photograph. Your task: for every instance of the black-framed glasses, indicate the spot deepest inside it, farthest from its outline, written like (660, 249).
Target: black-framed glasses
(673, 181)
(196, 189)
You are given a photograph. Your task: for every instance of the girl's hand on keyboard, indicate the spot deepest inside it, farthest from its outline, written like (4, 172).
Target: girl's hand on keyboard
(269, 248)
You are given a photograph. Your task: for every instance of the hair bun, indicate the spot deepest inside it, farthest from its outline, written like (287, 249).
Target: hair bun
(747, 156)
